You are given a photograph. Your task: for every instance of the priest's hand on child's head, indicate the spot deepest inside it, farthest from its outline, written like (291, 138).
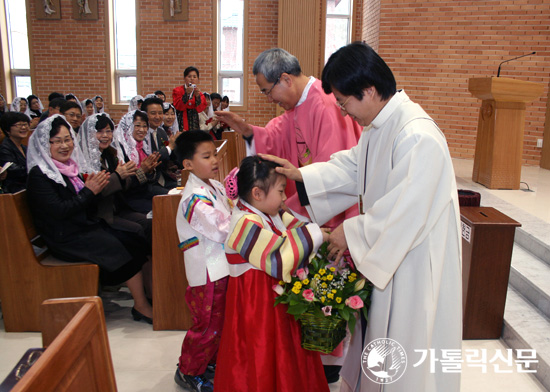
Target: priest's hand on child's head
(287, 168)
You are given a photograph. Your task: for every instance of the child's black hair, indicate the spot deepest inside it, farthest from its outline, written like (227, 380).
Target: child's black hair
(255, 171)
(187, 143)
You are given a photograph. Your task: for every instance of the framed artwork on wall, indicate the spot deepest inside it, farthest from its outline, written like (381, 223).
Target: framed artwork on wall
(175, 10)
(85, 10)
(48, 9)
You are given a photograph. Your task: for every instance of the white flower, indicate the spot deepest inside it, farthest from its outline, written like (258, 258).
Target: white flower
(278, 289)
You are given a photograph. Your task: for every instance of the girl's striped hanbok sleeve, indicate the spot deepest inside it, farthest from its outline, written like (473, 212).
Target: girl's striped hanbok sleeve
(278, 256)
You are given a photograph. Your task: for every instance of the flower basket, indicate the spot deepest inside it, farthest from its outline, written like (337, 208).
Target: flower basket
(321, 333)
(324, 297)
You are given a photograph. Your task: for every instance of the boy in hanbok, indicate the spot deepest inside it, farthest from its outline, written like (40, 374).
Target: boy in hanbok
(202, 222)
(260, 348)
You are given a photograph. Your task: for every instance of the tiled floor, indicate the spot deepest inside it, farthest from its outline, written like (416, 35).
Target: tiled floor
(145, 360)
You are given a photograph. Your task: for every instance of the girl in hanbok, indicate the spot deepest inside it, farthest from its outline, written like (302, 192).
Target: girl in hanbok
(260, 347)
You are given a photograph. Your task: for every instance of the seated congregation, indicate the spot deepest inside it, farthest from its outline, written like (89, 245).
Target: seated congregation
(90, 182)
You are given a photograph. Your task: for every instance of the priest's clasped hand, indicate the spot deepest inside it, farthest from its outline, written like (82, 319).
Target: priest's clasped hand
(287, 168)
(337, 243)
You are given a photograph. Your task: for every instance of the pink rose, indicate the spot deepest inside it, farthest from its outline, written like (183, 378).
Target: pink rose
(302, 273)
(355, 302)
(327, 310)
(308, 295)
(278, 289)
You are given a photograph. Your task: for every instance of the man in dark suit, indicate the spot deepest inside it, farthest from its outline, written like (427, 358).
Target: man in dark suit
(161, 142)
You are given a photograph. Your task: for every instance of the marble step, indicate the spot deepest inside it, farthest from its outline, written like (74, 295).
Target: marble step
(527, 328)
(537, 245)
(530, 277)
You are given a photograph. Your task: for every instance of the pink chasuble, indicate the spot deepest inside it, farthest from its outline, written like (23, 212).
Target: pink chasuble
(309, 133)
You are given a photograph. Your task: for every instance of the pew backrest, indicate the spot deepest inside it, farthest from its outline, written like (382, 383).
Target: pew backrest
(77, 356)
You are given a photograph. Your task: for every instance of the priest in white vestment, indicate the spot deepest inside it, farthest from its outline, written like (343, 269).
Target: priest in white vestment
(406, 238)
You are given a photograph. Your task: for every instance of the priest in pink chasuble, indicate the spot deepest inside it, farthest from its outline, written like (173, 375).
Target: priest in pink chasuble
(405, 239)
(310, 130)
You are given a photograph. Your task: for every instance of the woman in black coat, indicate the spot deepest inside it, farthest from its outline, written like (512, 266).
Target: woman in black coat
(16, 127)
(95, 140)
(59, 200)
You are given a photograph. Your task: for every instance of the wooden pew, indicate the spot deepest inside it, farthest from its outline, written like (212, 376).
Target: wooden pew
(77, 356)
(236, 148)
(28, 278)
(170, 310)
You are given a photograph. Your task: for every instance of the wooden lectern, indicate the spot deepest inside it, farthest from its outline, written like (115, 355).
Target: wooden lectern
(499, 145)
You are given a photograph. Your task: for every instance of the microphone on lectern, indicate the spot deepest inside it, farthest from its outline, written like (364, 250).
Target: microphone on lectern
(515, 58)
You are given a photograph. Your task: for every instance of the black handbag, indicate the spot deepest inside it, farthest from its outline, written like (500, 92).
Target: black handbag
(27, 360)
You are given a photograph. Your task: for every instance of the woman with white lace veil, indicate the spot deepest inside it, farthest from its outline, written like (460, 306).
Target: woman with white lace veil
(87, 107)
(134, 139)
(170, 122)
(35, 106)
(34, 109)
(135, 103)
(72, 97)
(59, 200)
(96, 142)
(99, 105)
(20, 104)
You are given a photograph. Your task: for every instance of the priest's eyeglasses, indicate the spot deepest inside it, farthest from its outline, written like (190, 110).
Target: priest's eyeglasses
(342, 106)
(268, 92)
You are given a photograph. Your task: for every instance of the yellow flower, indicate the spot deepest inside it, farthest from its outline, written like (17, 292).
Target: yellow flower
(334, 291)
(322, 271)
(323, 299)
(353, 274)
(338, 299)
(298, 285)
(330, 296)
(324, 278)
(332, 269)
(330, 277)
(324, 285)
(295, 290)
(281, 283)
(351, 278)
(317, 276)
(305, 281)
